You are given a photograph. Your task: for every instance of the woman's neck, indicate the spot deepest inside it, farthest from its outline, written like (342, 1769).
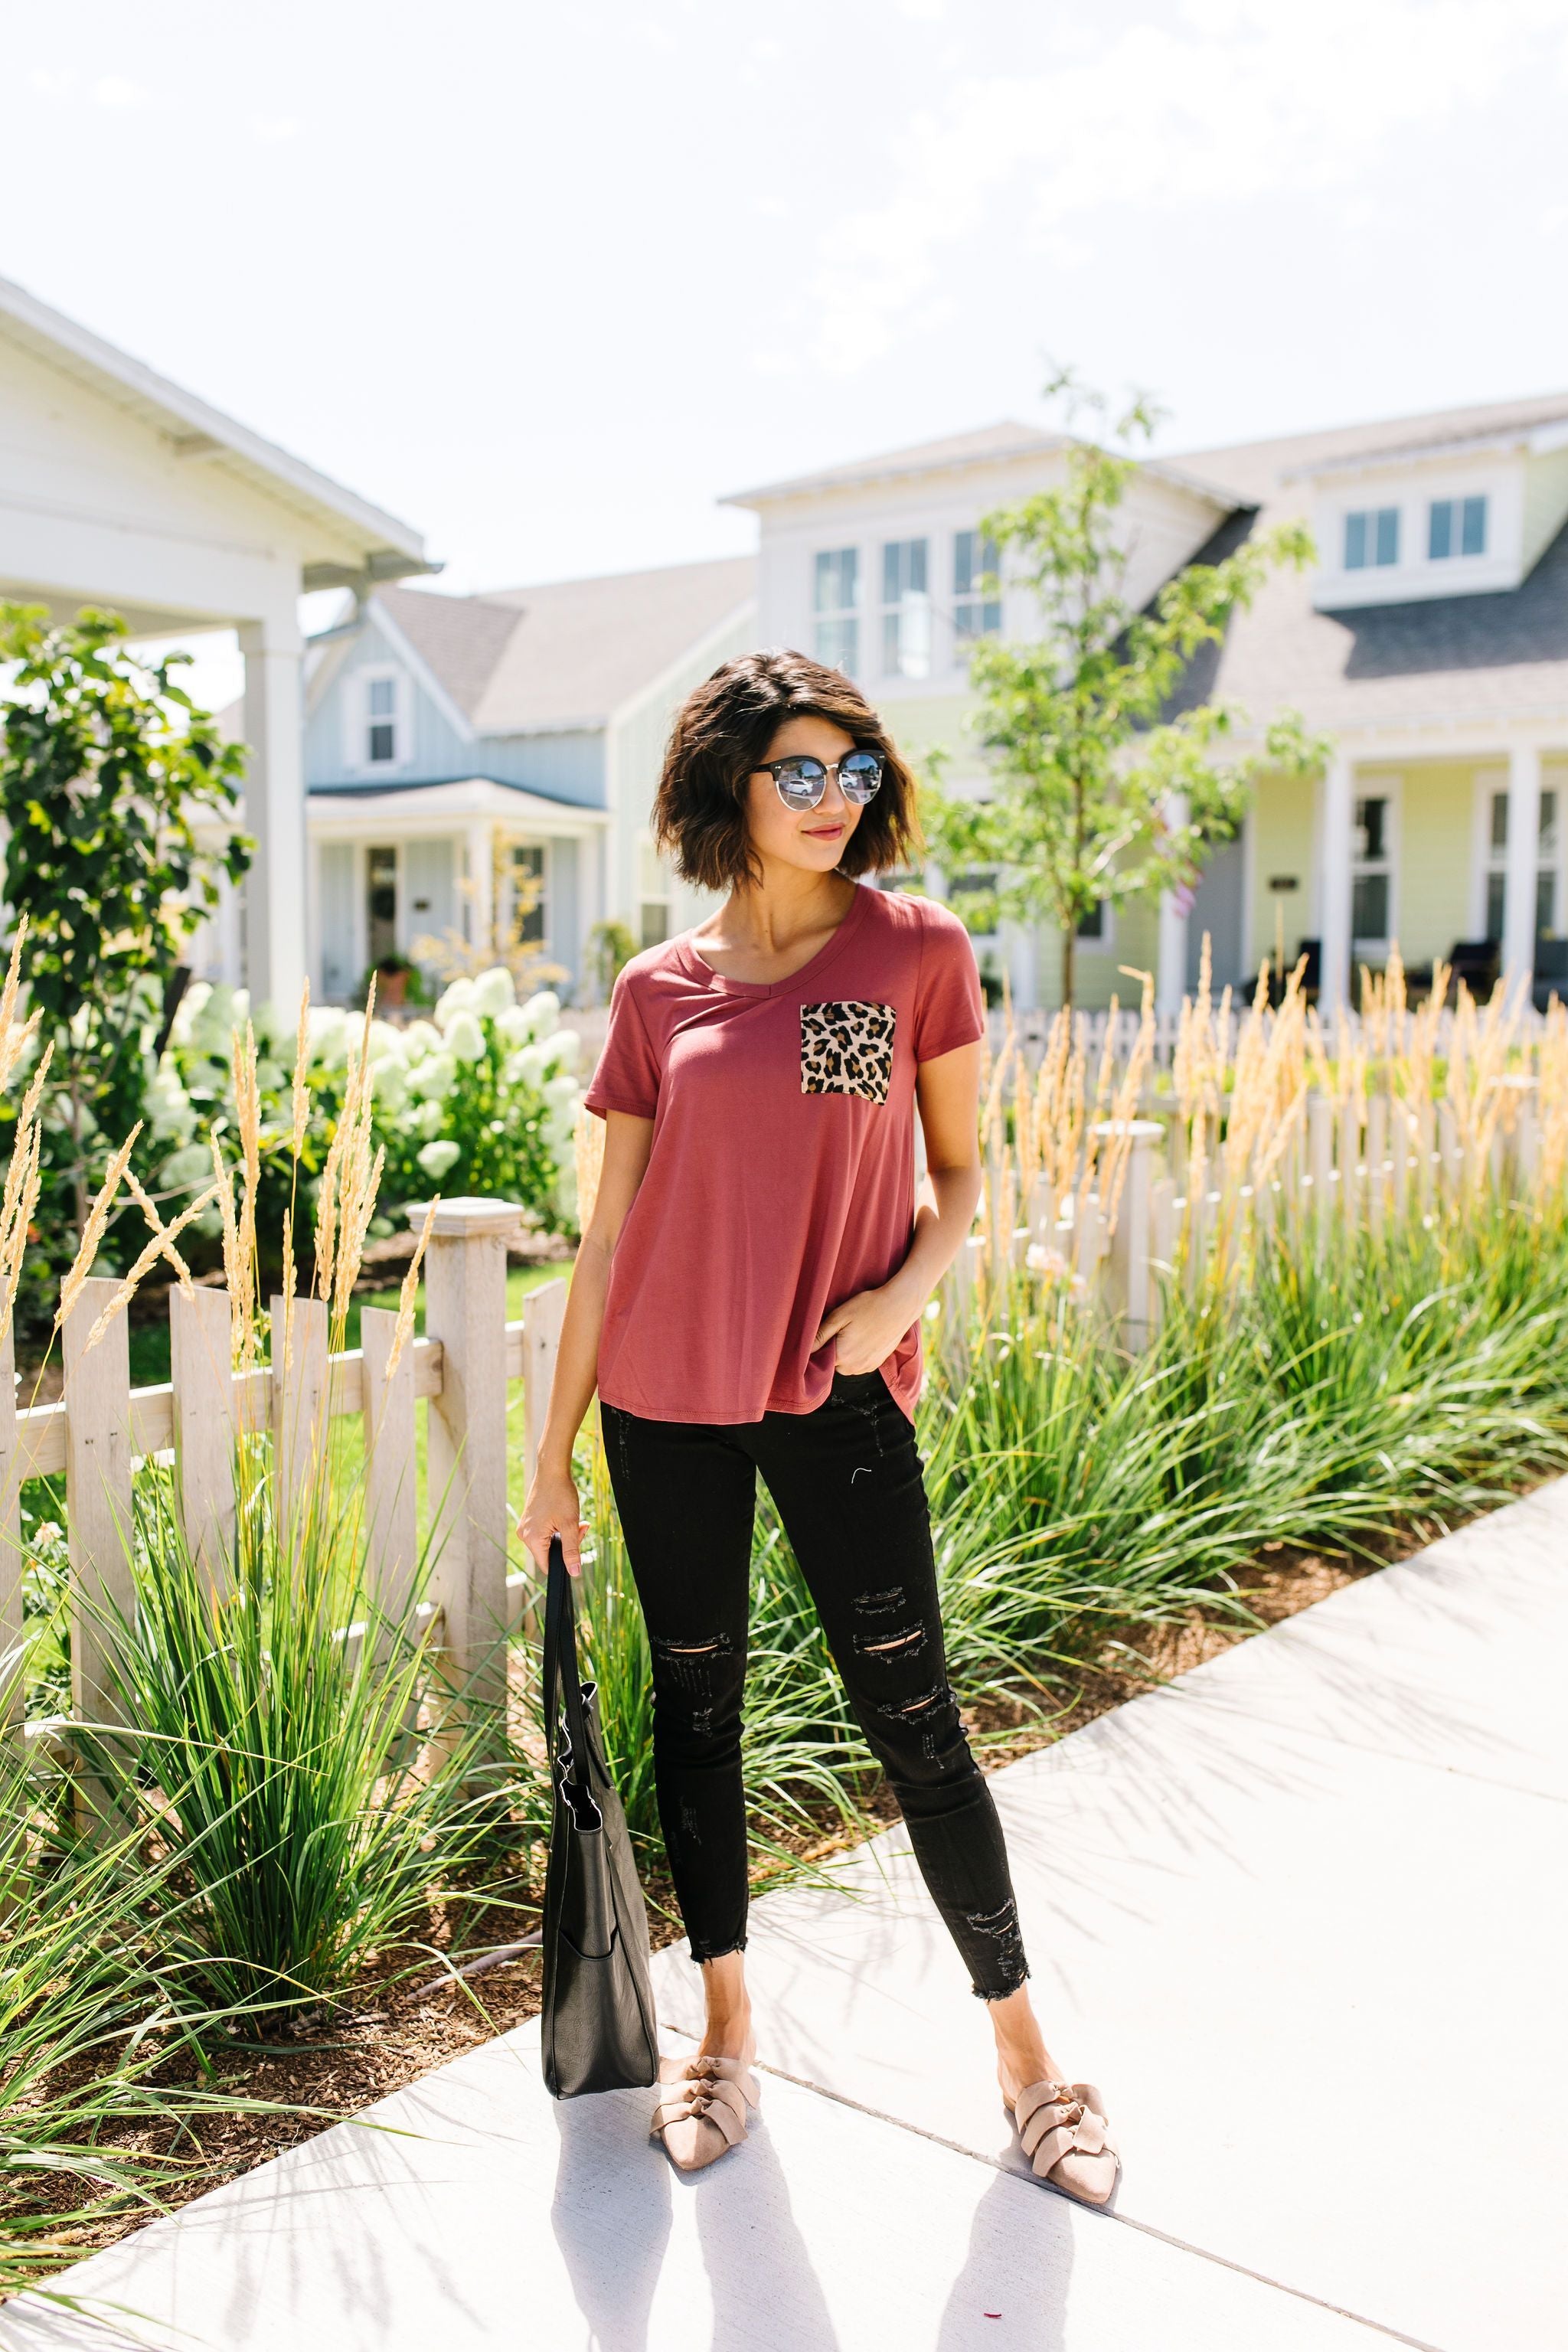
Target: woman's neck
(768, 930)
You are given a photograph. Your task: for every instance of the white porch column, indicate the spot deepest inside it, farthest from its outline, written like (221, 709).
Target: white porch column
(1171, 968)
(1334, 898)
(275, 887)
(481, 885)
(1518, 892)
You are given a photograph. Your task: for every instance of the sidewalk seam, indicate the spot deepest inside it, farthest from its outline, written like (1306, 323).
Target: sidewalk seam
(1146, 2229)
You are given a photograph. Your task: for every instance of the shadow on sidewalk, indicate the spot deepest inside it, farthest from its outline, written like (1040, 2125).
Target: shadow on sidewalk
(612, 2213)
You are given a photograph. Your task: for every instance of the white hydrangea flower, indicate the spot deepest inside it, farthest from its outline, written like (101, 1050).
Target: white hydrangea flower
(495, 992)
(561, 1088)
(457, 998)
(432, 1077)
(566, 1045)
(169, 1109)
(430, 1118)
(192, 1006)
(420, 1037)
(186, 1168)
(465, 1037)
(389, 1081)
(437, 1157)
(514, 1024)
(327, 1035)
(544, 1012)
(527, 1067)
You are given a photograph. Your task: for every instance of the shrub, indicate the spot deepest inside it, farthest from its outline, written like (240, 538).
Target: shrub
(482, 1097)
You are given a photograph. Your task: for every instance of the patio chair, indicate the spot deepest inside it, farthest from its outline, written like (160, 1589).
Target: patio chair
(1551, 972)
(1475, 963)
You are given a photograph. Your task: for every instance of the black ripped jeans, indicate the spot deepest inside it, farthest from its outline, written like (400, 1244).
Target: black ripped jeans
(847, 1480)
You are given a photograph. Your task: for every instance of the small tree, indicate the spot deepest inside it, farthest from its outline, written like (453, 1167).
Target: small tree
(1101, 796)
(104, 764)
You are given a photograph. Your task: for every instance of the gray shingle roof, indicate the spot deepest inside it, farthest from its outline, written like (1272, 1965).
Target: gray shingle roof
(566, 653)
(1453, 657)
(994, 441)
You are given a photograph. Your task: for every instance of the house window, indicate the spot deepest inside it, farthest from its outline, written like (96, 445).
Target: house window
(528, 890)
(1372, 538)
(1548, 861)
(381, 902)
(653, 898)
(1372, 873)
(1456, 527)
(835, 608)
(906, 609)
(974, 560)
(381, 746)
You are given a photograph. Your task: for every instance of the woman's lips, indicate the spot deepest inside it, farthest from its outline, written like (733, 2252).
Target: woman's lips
(825, 832)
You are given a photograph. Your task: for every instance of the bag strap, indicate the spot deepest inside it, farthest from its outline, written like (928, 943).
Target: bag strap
(562, 1681)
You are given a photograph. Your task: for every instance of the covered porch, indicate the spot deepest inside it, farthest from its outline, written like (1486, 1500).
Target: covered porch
(121, 489)
(468, 867)
(1447, 845)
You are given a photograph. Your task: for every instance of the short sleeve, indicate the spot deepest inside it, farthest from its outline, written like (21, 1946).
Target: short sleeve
(949, 1007)
(627, 1075)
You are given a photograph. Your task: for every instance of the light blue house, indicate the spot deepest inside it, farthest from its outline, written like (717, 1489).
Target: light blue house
(456, 743)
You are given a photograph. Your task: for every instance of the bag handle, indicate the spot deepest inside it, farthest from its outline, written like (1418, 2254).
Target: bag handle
(562, 1680)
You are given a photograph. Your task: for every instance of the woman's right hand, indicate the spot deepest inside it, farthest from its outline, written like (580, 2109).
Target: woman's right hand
(551, 1509)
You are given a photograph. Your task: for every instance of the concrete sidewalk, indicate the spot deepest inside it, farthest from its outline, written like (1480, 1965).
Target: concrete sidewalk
(1301, 1915)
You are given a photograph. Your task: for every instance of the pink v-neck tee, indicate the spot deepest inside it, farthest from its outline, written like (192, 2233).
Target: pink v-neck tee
(781, 1177)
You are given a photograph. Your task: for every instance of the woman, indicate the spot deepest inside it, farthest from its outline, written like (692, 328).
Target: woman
(748, 1295)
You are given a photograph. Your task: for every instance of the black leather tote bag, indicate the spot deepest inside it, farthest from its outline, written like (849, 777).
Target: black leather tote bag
(599, 2024)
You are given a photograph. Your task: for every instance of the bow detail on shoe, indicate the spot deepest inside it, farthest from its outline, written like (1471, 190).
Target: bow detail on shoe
(709, 2097)
(1067, 2138)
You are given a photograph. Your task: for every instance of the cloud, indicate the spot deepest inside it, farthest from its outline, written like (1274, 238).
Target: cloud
(113, 90)
(1218, 101)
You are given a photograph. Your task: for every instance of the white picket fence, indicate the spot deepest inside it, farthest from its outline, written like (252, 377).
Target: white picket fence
(102, 1427)
(1031, 1030)
(1346, 1164)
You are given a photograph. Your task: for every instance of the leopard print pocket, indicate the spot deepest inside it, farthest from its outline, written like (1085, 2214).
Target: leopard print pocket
(846, 1049)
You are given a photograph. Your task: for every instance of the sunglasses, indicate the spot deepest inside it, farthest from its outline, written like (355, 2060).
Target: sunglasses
(801, 782)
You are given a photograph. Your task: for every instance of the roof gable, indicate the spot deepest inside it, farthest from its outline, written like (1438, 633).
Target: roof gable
(343, 533)
(566, 654)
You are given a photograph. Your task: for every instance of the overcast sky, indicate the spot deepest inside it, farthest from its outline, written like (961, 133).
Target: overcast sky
(547, 281)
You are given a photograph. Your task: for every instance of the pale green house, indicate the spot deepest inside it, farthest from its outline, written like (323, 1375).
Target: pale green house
(1430, 645)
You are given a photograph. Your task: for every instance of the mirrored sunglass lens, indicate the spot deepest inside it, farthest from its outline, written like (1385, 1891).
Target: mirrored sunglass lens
(801, 780)
(860, 775)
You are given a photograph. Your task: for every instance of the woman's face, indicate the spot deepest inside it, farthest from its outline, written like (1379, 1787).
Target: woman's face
(815, 839)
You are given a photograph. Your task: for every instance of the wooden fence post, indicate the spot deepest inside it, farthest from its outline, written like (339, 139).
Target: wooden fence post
(13, 1694)
(1320, 1164)
(301, 1402)
(465, 1309)
(1130, 1253)
(98, 1515)
(387, 1404)
(200, 1357)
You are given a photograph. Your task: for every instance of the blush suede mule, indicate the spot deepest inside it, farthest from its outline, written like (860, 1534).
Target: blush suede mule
(701, 2110)
(1066, 2138)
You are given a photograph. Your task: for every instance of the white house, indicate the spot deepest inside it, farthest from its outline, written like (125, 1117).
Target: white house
(1430, 645)
(454, 743)
(120, 488)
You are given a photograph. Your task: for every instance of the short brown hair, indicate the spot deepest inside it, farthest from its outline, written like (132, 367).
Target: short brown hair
(721, 733)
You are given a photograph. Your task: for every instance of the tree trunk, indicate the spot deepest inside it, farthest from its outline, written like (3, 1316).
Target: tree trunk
(1069, 963)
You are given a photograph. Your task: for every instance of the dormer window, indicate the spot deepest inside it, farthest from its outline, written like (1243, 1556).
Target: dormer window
(1372, 538)
(1456, 527)
(378, 719)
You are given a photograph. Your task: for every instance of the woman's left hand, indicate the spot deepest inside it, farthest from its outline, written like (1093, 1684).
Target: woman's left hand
(867, 1326)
